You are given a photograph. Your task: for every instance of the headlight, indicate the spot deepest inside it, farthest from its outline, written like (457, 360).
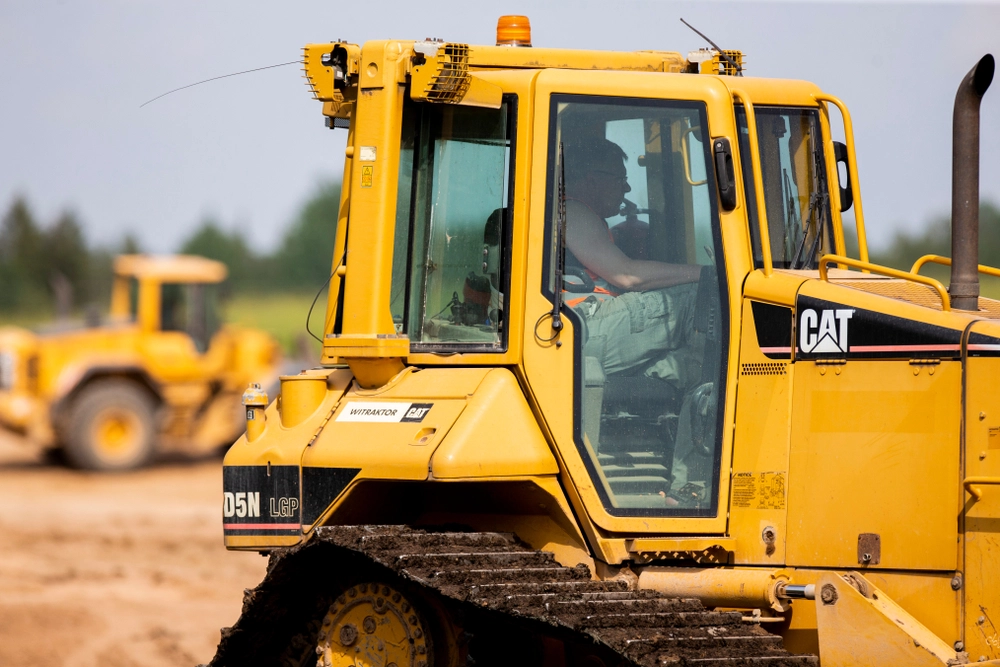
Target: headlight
(8, 368)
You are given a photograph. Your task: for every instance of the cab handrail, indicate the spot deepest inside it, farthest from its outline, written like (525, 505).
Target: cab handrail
(758, 178)
(859, 216)
(971, 485)
(946, 261)
(884, 271)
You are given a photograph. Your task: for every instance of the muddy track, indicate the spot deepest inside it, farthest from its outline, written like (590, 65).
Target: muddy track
(495, 584)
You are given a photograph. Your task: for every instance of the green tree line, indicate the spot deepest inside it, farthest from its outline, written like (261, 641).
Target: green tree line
(43, 265)
(52, 268)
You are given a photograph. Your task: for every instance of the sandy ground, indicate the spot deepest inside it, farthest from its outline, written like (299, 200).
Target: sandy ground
(114, 570)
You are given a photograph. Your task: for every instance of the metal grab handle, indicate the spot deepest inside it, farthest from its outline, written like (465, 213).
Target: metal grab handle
(884, 271)
(852, 162)
(946, 261)
(758, 177)
(687, 158)
(975, 491)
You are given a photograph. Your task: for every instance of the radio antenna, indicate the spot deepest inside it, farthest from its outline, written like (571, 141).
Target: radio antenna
(739, 70)
(216, 78)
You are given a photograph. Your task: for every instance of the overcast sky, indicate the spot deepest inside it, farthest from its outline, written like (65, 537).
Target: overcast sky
(249, 150)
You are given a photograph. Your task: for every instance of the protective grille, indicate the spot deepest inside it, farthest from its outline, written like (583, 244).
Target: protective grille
(720, 65)
(989, 308)
(764, 368)
(902, 290)
(451, 81)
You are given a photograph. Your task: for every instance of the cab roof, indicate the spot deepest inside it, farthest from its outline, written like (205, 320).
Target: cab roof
(171, 268)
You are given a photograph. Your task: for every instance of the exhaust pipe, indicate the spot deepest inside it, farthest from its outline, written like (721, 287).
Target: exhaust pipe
(964, 287)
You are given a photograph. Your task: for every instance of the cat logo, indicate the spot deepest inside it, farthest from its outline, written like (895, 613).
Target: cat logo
(417, 412)
(824, 332)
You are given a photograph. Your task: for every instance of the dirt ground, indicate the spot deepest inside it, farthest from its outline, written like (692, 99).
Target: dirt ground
(114, 570)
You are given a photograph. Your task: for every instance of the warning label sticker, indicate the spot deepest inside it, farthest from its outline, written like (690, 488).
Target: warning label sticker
(759, 490)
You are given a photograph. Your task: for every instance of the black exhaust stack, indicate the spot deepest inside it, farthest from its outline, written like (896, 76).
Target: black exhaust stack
(964, 288)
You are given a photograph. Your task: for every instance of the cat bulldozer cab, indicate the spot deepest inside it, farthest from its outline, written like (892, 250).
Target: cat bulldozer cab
(719, 440)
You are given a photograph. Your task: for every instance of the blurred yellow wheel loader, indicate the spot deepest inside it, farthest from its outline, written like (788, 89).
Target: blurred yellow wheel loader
(162, 374)
(731, 445)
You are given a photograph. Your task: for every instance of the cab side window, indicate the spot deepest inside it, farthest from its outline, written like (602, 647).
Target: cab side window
(795, 186)
(452, 222)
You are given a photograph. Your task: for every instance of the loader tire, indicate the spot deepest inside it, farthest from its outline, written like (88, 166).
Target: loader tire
(111, 427)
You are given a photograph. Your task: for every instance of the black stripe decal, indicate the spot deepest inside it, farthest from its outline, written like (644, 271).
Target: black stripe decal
(829, 330)
(261, 500)
(320, 487)
(774, 329)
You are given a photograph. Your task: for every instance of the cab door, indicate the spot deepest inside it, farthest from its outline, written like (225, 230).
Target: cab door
(181, 343)
(635, 386)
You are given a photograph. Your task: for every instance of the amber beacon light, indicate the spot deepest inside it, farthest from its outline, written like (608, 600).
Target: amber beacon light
(513, 31)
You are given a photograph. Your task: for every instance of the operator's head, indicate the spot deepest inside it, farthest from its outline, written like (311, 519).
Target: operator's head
(595, 174)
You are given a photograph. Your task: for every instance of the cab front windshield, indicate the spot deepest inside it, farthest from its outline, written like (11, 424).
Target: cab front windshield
(640, 189)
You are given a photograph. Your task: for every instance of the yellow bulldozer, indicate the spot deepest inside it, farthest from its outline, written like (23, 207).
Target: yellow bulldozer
(601, 384)
(162, 374)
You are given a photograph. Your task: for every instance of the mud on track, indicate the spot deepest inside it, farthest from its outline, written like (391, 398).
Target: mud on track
(114, 570)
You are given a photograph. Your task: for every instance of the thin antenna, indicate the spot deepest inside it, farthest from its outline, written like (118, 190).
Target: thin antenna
(215, 78)
(739, 70)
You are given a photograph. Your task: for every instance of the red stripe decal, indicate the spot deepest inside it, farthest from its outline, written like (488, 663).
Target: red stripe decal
(904, 348)
(776, 350)
(260, 526)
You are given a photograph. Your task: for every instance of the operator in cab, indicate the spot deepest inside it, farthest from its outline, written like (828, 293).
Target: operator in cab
(639, 310)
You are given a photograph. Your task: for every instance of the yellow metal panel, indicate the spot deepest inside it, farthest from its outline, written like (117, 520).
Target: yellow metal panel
(642, 61)
(366, 298)
(760, 449)
(928, 597)
(982, 516)
(395, 450)
(855, 629)
(873, 446)
(149, 305)
(496, 436)
(171, 268)
(390, 450)
(782, 92)
(429, 383)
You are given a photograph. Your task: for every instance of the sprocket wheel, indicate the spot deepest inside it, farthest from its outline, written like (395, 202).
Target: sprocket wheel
(373, 625)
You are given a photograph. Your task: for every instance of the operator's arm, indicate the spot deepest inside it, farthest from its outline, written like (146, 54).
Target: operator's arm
(587, 238)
